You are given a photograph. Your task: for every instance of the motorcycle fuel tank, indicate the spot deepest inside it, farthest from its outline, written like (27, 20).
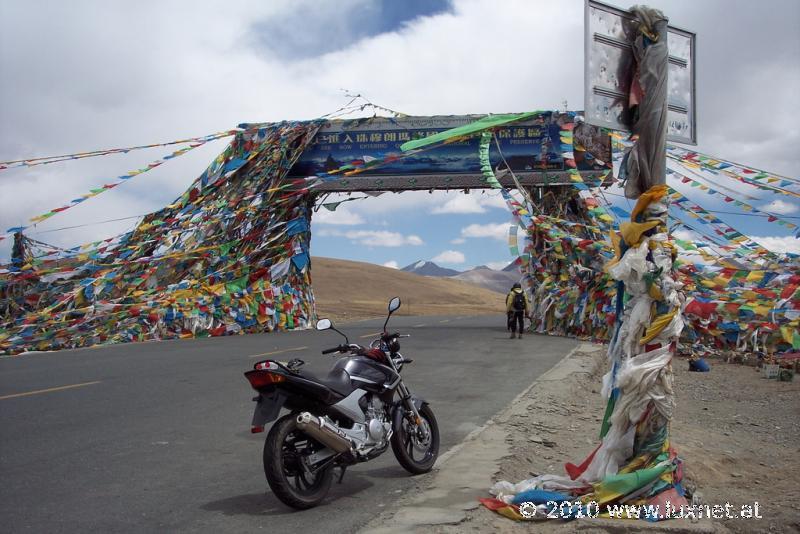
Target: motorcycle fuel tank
(370, 375)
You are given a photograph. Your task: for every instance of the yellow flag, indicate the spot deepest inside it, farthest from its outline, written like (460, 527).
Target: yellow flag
(755, 276)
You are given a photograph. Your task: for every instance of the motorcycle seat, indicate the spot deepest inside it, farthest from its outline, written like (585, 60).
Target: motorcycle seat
(337, 380)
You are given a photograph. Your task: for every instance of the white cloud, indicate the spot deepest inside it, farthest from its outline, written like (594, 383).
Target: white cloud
(497, 231)
(373, 238)
(684, 235)
(458, 241)
(389, 203)
(391, 264)
(342, 216)
(779, 243)
(780, 207)
(460, 204)
(450, 256)
(493, 201)
(470, 203)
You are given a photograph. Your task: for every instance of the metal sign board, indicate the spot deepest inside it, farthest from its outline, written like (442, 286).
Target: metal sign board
(608, 61)
(532, 149)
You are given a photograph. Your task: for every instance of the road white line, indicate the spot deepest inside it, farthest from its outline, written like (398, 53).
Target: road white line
(445, 321)
(49, 390)
(371, 335)
(295, 349)
(419, 325)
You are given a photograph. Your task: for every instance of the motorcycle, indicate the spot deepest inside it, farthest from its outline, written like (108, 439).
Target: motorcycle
(350, 416)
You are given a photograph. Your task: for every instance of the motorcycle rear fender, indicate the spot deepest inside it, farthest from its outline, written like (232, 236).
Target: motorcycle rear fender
(268, 407)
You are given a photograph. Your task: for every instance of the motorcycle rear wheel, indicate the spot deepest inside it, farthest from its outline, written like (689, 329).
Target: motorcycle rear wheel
(407, 444)
(284, 450)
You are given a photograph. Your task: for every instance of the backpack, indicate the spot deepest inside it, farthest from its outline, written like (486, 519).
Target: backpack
(519, 301)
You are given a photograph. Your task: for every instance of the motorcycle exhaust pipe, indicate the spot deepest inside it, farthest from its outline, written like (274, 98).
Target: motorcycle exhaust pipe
(324, 432)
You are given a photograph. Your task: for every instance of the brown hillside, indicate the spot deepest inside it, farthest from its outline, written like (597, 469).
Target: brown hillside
(355, 290)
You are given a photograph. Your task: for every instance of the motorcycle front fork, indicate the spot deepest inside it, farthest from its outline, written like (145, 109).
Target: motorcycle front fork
(412, 414)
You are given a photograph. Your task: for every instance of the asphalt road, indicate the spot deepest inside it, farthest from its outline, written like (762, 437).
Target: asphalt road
(156, 436)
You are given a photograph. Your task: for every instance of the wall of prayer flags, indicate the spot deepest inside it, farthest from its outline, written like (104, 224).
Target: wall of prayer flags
(231, 254)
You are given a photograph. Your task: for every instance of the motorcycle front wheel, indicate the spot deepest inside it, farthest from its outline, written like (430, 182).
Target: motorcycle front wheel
(284, 454)
(416, 452)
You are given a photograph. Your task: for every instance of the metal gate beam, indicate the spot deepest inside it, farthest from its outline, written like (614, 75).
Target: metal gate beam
(444, 183)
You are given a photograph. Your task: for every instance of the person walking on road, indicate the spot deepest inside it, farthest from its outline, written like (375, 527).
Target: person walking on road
(517, 307)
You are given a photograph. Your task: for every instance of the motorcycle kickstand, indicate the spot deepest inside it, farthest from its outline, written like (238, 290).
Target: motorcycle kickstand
(341, 474)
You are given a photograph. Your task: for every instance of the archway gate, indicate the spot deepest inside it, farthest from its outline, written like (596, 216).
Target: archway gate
(231, 255)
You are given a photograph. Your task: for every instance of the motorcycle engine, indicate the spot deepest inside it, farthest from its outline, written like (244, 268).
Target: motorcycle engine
(371, 438)
(378, 426)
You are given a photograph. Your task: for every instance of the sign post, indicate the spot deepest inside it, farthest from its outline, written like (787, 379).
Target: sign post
(640, 78)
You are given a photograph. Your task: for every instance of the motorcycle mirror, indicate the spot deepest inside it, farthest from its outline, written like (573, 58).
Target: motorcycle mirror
(326, 324)
(394, 305)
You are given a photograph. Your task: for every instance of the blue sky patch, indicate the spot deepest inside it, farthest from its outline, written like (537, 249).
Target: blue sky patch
(311, 31)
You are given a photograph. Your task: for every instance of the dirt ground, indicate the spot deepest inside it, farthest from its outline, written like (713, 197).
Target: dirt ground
(349, 290)
(740, 436)
(738, 433)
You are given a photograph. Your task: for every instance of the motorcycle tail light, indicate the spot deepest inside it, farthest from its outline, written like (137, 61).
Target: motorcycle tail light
(260, 379)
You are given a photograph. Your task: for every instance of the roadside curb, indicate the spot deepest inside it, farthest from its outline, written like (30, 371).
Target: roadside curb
(464, 473)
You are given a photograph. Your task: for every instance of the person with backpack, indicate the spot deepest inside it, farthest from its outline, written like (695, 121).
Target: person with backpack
(517, 307)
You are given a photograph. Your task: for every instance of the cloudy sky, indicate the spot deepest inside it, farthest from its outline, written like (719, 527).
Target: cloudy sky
(79, 76)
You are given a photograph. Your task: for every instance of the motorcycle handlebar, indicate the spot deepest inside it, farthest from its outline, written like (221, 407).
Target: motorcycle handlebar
(344, 348)
(387, 337)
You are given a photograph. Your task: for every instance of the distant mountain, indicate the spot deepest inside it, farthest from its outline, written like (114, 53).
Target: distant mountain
(428, 268)
(500, 281)
(348, 290)
(481, 275)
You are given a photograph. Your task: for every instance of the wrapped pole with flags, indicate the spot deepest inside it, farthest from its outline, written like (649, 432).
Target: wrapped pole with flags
(634, 462)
